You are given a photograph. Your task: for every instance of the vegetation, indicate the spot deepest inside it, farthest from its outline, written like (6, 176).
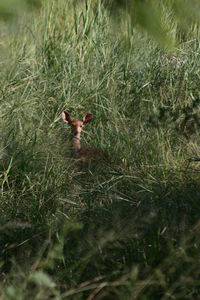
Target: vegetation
(125, 229)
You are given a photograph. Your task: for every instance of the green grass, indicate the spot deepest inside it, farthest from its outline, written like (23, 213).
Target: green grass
(128, 229)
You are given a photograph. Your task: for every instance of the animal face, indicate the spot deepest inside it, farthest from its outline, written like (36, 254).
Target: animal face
(76, 125)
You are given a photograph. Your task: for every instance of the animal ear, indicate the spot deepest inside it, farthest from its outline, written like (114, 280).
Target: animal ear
(66, 117)
(88, 118)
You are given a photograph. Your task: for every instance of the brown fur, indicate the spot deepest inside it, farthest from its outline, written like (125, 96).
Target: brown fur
(82, 154)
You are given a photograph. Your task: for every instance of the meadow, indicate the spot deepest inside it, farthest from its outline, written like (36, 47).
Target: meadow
(128, 228)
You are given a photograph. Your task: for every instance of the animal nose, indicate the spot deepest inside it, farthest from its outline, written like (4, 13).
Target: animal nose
(77, 130)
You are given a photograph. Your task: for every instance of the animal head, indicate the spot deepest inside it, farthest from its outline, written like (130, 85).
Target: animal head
(76, 125)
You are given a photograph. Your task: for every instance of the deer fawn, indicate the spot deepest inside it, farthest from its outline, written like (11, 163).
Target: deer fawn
(80, 153)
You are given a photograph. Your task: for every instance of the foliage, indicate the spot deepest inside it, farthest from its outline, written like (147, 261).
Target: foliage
(128, 229)
(159, 18)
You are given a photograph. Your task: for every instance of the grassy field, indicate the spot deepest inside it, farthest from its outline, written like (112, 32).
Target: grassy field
(129, 228)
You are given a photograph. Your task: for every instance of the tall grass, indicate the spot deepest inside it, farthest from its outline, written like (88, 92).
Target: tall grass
(128, 229)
